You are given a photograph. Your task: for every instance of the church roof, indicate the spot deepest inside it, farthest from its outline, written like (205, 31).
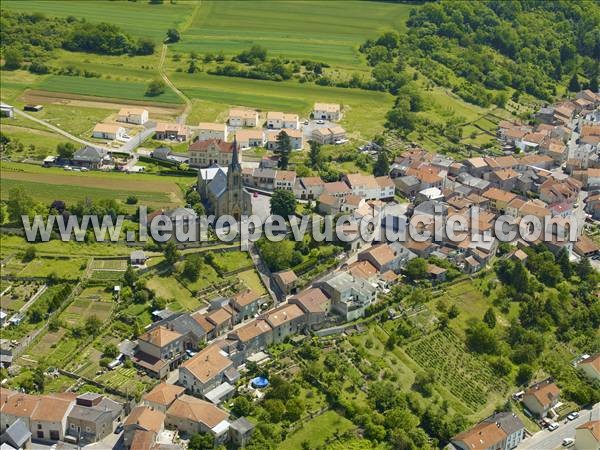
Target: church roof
(218, 185)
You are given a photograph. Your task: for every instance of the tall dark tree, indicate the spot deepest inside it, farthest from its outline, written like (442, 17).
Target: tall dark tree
(315, 154)
(490, 318)
(565, 265)
(284, 147)
(171, 253)
(574, 85)
(382, 165)
(283, 203)
(173, 35)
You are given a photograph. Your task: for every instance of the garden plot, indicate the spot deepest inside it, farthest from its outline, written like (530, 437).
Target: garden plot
(91, 302)
(17, 295)
(465, 376)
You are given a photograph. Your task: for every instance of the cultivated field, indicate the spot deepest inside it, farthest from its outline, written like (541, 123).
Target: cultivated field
(47, 185)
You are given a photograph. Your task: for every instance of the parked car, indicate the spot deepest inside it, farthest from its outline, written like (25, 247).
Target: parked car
(119, 428)
(320, 122)
(568, 442)
(574, 415)
(553, 426)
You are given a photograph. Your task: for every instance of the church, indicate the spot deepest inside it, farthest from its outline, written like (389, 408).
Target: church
(222, 191)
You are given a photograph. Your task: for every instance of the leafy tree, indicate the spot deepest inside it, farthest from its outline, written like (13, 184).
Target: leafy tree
(524, 374)
(242, 406)
(294, 409)
(145, 46)
(18, 204)
(38, 379)
(191, 269)
(583, 267)
(131, 200)
(254, 55)
(12, 59)
(574, 85)
(480, 339)
(130, 276)
(93, 325)
(564, 263)
(283, 203)
(382, 165)
(35, 315)
(110, 351)
(276, 255)
(284, 148)
(173, 35)
(201, 441)
(275, 408)
(155, 88)
(29, 254)
(416, 269)
(490, 318)
(171, 254)
(594, 83)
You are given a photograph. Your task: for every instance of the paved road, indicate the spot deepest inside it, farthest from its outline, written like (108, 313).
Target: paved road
(551, 440)
(59, 130)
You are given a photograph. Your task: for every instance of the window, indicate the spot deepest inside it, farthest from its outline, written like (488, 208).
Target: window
(39, 427)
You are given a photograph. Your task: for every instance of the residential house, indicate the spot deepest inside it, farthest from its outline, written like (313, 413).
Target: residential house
(308, 188)
(328, 204)
(17, 405)
(210, 130)
(535, 160)
(137, 258)
(263, 178)
(541, 397)
(191, 415)
(138, 116)
(210, 152)
(387, 187)
(162, 396)
(408, 185)
(327, 111)
(587, 435)
(331, 135)
(49, 419)
(315, 305)
(366, 186)
(285, 320)
(286, 281)
(204, 371)
(284, 179)
(429, 176)
(499, 199)
(242, 118)
(172, 132)
(277, 120)
(142, 418)
(501, 431)
(590, 366)
(504, 179)
(436, 274)
(240, 432)
(554, 191)
(246, 305)
(386, 257)
(90, 157)
(108, 131)
(476, 166)
(92, 418)
(586, 247)
(296, 138)
(253, 337)
(158, 350)
(221, 318)
(17, 435)
(349, 295)
(250, 138)
(556, 150)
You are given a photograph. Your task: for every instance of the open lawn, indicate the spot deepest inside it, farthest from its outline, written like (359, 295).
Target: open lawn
(317, 431)
(68, 269)
(37, 144)
(109, 264)
(49, 184)
(328, 32)
(171, 290)
(251, 280)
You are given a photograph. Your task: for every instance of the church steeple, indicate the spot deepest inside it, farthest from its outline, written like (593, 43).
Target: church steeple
(234, 165)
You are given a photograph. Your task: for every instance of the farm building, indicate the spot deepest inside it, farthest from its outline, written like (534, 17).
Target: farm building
(209, 130)
(137, 116)
(108, 131)
(327, 111)
(7, 110)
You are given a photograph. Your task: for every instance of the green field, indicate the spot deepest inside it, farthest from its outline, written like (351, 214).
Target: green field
(136, 18)
(171, 290)
(99, 87)
(329, 32)
(48, 184)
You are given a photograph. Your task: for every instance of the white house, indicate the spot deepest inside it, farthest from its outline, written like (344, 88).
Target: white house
(250, 138)
(327, 111)
(296, 138)
(368, 187)
(137, 116)
(277, 120)
(330, 135)
(108, 131)
(209, 130)
(243, 118)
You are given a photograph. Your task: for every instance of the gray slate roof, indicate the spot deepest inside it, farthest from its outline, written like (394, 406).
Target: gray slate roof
(88, 154)
(218, 185)
(242, 425)
(17, 434)
(508, 421)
